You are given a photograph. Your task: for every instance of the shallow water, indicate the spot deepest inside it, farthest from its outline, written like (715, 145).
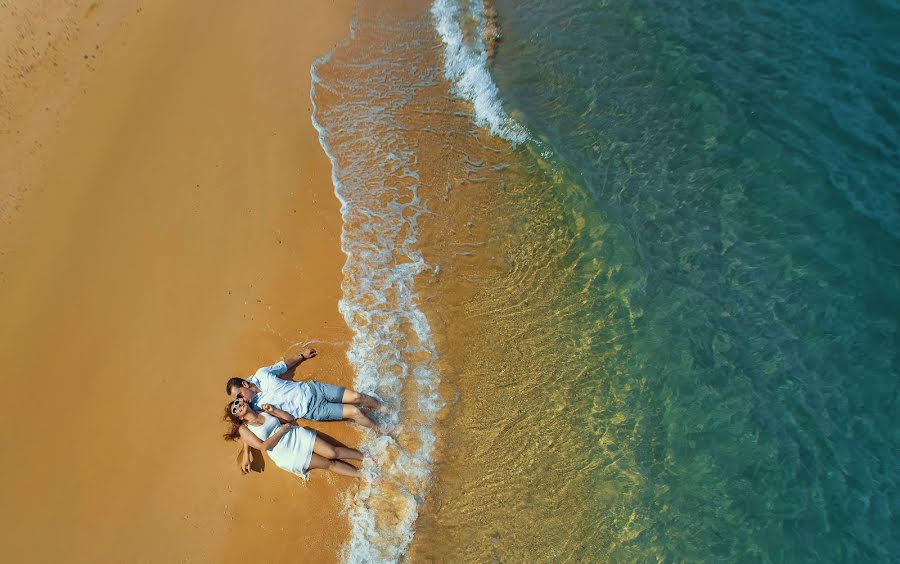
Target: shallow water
(637, 278)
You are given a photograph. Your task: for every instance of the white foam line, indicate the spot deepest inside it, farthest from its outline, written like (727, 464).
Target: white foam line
(376, 368)
(467, 68)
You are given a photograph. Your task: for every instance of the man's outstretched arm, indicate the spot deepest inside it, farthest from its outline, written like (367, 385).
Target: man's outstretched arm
(296, 360)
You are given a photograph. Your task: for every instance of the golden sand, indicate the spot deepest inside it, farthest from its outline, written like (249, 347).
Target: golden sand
(168, 221)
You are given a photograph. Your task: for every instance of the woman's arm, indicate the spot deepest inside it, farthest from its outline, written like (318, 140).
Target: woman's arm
(246, 458)
(279, 414)
(252, 440)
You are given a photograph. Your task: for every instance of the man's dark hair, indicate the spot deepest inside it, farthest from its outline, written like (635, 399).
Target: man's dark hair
(233, 383)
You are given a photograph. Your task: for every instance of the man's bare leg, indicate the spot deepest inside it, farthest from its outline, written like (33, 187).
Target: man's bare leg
(356, 398)
(355, 414)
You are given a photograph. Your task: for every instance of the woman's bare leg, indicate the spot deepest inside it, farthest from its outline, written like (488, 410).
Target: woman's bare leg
(336, 466)
(347, 453)
(328, 450)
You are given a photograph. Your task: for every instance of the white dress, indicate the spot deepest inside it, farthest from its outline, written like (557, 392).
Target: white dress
(293, 451)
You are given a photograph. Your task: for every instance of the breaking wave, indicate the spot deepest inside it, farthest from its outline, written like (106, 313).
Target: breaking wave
(466, 65)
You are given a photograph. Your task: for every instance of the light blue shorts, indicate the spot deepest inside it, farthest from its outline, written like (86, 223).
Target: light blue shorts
(325, 403)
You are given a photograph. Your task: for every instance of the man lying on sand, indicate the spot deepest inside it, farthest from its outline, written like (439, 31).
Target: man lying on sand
(307, 400)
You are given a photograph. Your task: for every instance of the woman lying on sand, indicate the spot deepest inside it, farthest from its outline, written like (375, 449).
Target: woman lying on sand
(291, 448)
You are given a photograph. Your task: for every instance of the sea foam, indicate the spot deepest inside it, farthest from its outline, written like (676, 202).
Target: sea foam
(356, 94)
(466, 66)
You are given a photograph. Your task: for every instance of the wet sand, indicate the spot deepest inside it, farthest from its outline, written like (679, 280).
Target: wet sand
(167, 221)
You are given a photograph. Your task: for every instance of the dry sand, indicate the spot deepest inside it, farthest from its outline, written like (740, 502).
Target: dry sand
(167, 220)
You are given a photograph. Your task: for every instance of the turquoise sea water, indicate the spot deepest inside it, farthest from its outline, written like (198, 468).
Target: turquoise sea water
(747, 159)
(633, 288)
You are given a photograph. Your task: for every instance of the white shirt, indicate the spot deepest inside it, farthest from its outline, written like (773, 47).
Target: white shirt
(290, 396)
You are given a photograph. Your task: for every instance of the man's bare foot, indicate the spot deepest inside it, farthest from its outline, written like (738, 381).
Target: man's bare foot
(393, 431)
(370, 403)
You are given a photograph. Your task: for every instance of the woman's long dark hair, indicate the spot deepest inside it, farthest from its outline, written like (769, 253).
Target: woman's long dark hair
(236, 424)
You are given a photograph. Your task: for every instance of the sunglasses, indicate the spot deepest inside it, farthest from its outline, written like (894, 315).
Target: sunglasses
(234, 406)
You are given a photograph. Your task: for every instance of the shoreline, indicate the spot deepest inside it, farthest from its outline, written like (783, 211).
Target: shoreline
(172, 224)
